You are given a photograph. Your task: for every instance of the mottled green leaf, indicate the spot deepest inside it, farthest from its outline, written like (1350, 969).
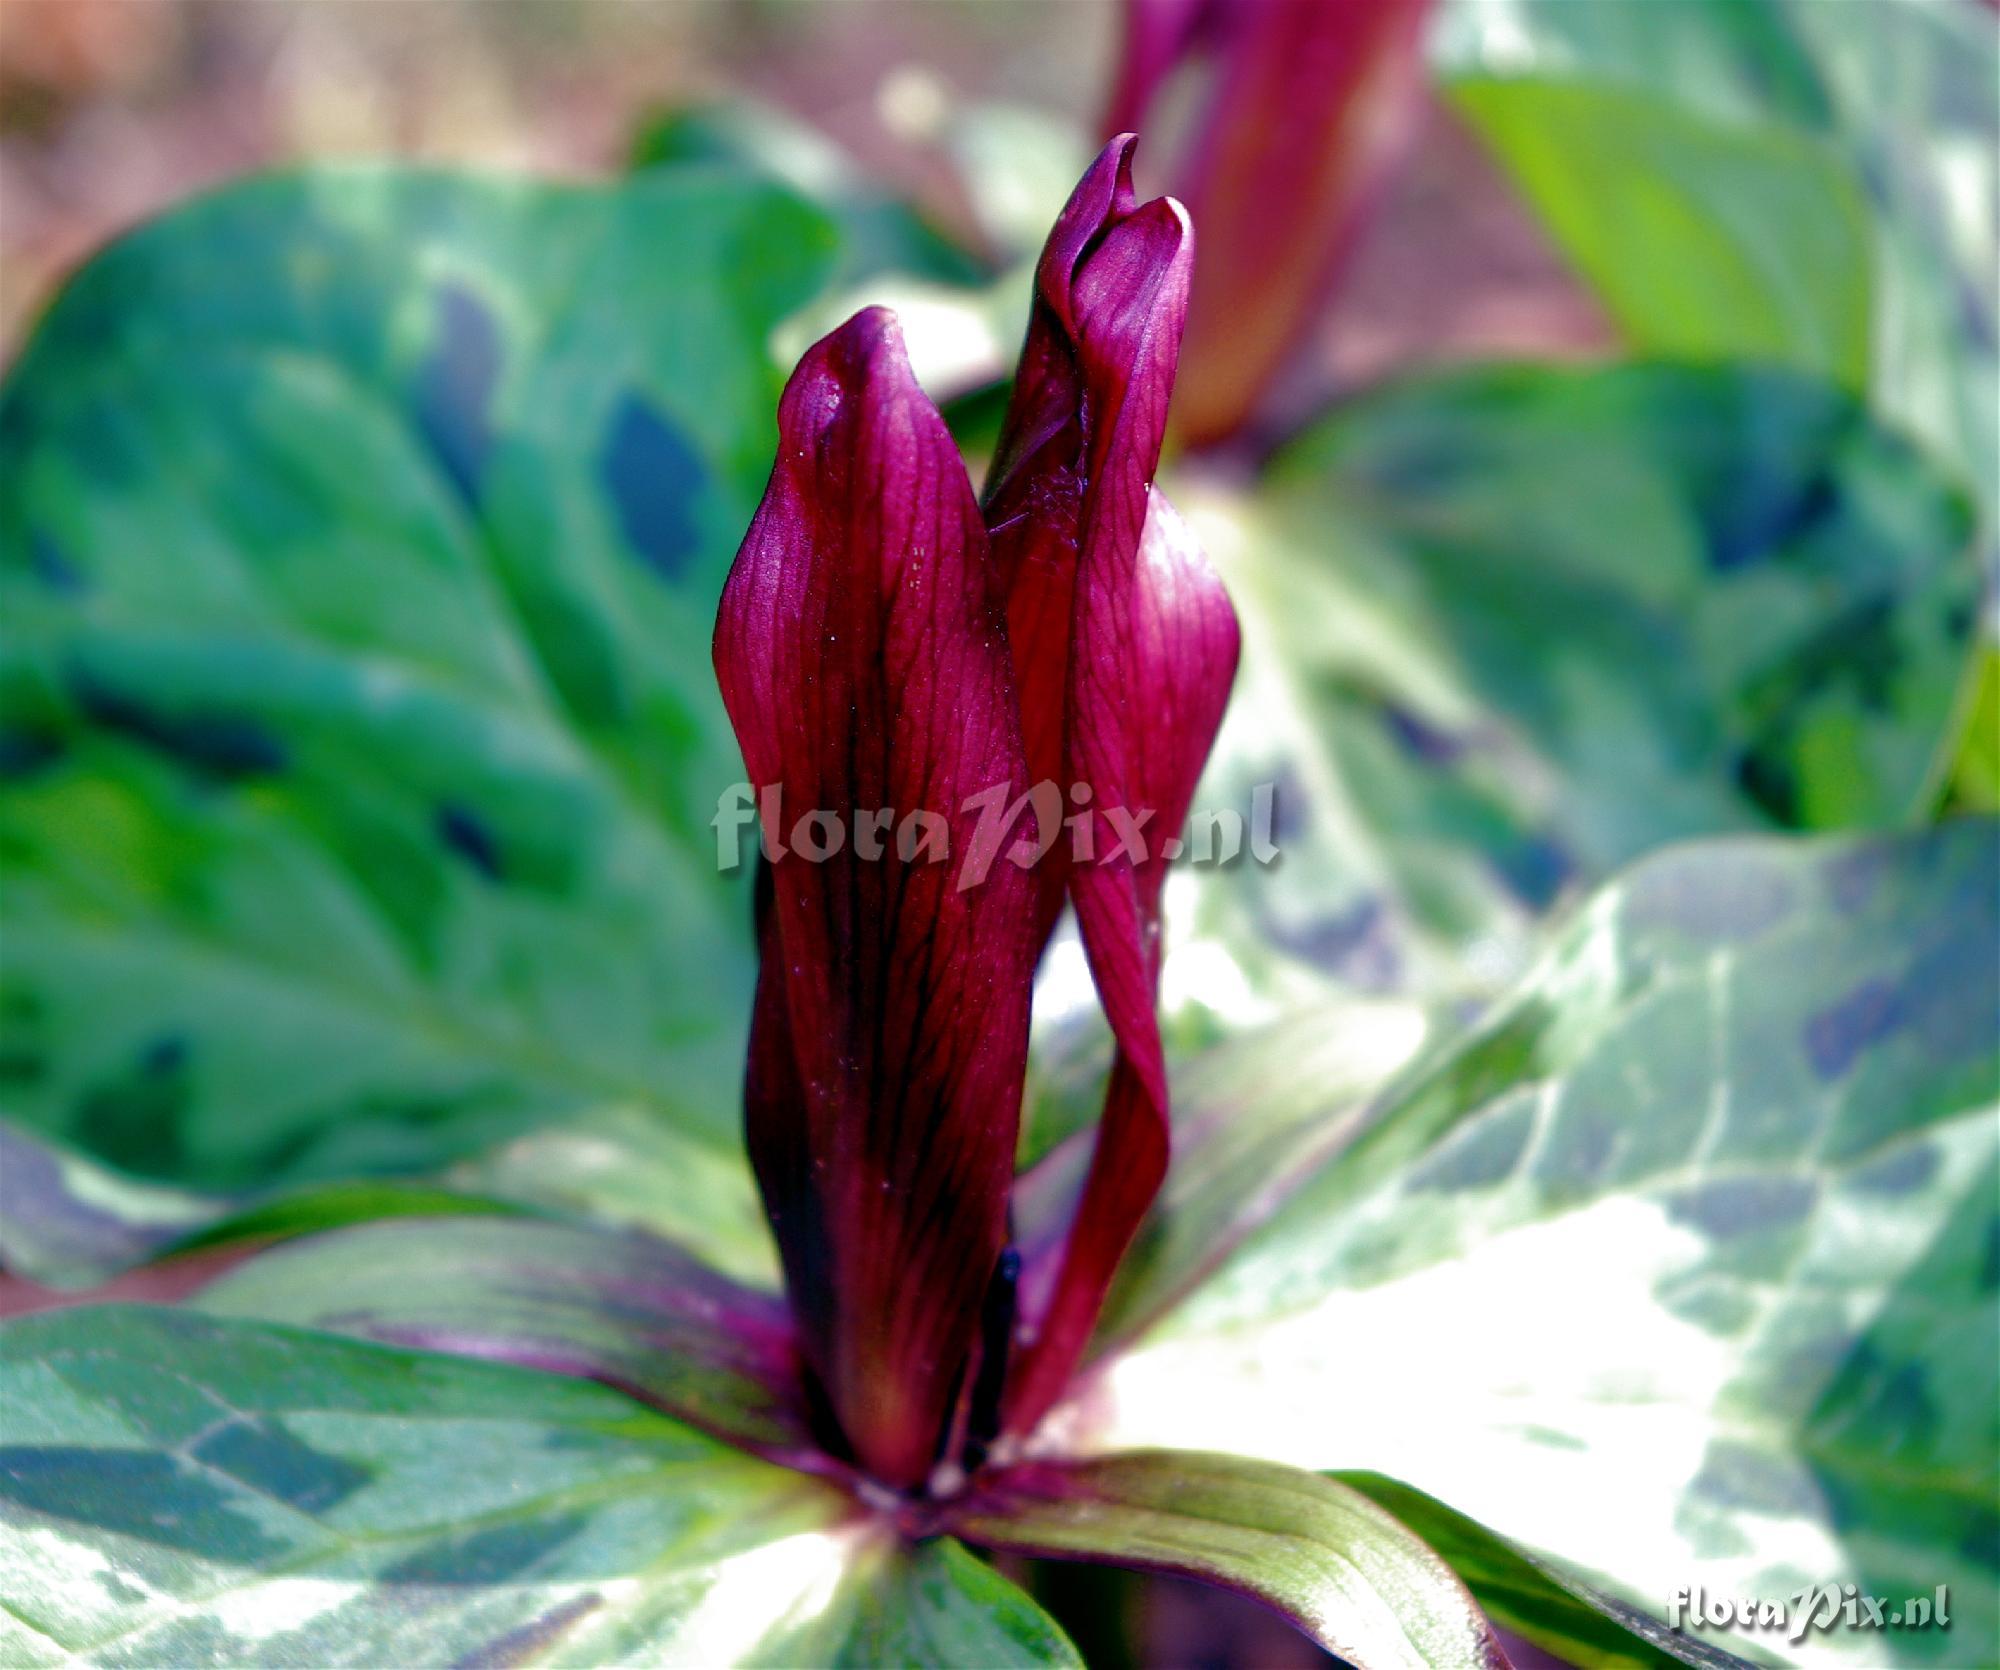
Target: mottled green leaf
(932, 1605)
(961, 324)
(360, 740)
(1535, 1598)
(1681, 1267)
(1705, 242)
(1251, 1117)
(624, 1166)
(620, 1307)
(1351, 1576)
(883, 233)
(66, 1221)
(178, 1489)
(1507, 629)
(1903, 97)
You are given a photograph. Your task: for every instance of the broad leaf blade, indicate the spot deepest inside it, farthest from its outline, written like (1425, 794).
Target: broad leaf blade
(621, 1308)
(1698, 1223)
(1705, 242)
(1511, 628)
(932, 1604)
(1253, 1117)
(1534, 1598)
(1904, 99)
(364, 535)
(1347, 1573)
(623, 1165)
(883, 234)
(281, 1496)
(66, 1221)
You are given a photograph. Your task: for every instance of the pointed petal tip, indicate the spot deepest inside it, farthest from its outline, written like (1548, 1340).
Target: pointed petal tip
(863, 358)
(1168, 220)
(869, 341)
(1121, 149)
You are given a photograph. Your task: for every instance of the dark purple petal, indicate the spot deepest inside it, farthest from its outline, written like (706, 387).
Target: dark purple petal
(863, 660)
(1124, 647)
(1035, 489)
(1154, 657)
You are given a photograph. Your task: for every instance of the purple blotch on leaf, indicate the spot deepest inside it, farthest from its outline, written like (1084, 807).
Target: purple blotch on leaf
(1534, 868)
(52, 565)
(210, 743)
(654, 477)
(468, 835)
(1836, 1036)
(1902, 1172)
(1733, 1206)
(272, 1462)
(491, 1554)
(1762, 518)
(1419, 738)
(142, 1494)
(26, 750)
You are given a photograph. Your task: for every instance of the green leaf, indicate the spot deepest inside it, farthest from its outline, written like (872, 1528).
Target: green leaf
(1680, 1267)
(66, 1221)
(179, 1489)
(1348, 1574)
(1534, 1598)
(883, 233)
(359, 562)
(1251, 1116)
(624, 1166)
(1905, 99)
(1705, 242)
(934, 1604)
(1508, 629)
(618, 1307)
(1975, 770)
(962, 324)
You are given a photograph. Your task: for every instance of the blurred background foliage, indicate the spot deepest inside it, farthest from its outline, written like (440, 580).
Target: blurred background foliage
(115, 109)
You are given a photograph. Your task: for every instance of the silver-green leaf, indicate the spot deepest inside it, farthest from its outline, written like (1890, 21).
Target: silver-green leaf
(1681, 1267)
(179, 1489)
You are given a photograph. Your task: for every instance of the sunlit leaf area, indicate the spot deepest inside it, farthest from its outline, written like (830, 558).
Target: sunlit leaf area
(962, 833)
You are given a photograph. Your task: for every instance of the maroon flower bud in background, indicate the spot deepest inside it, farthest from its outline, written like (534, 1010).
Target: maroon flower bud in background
(882, 645)
(1309, 106)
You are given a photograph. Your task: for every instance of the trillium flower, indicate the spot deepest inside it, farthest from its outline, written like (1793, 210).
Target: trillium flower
(1310, 101)
(889, 647)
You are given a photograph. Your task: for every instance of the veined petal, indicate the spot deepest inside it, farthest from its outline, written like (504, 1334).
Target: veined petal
(1154, 657)
(1036, 486)
(863, 661)
(1124, 647)
(1081, 438)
